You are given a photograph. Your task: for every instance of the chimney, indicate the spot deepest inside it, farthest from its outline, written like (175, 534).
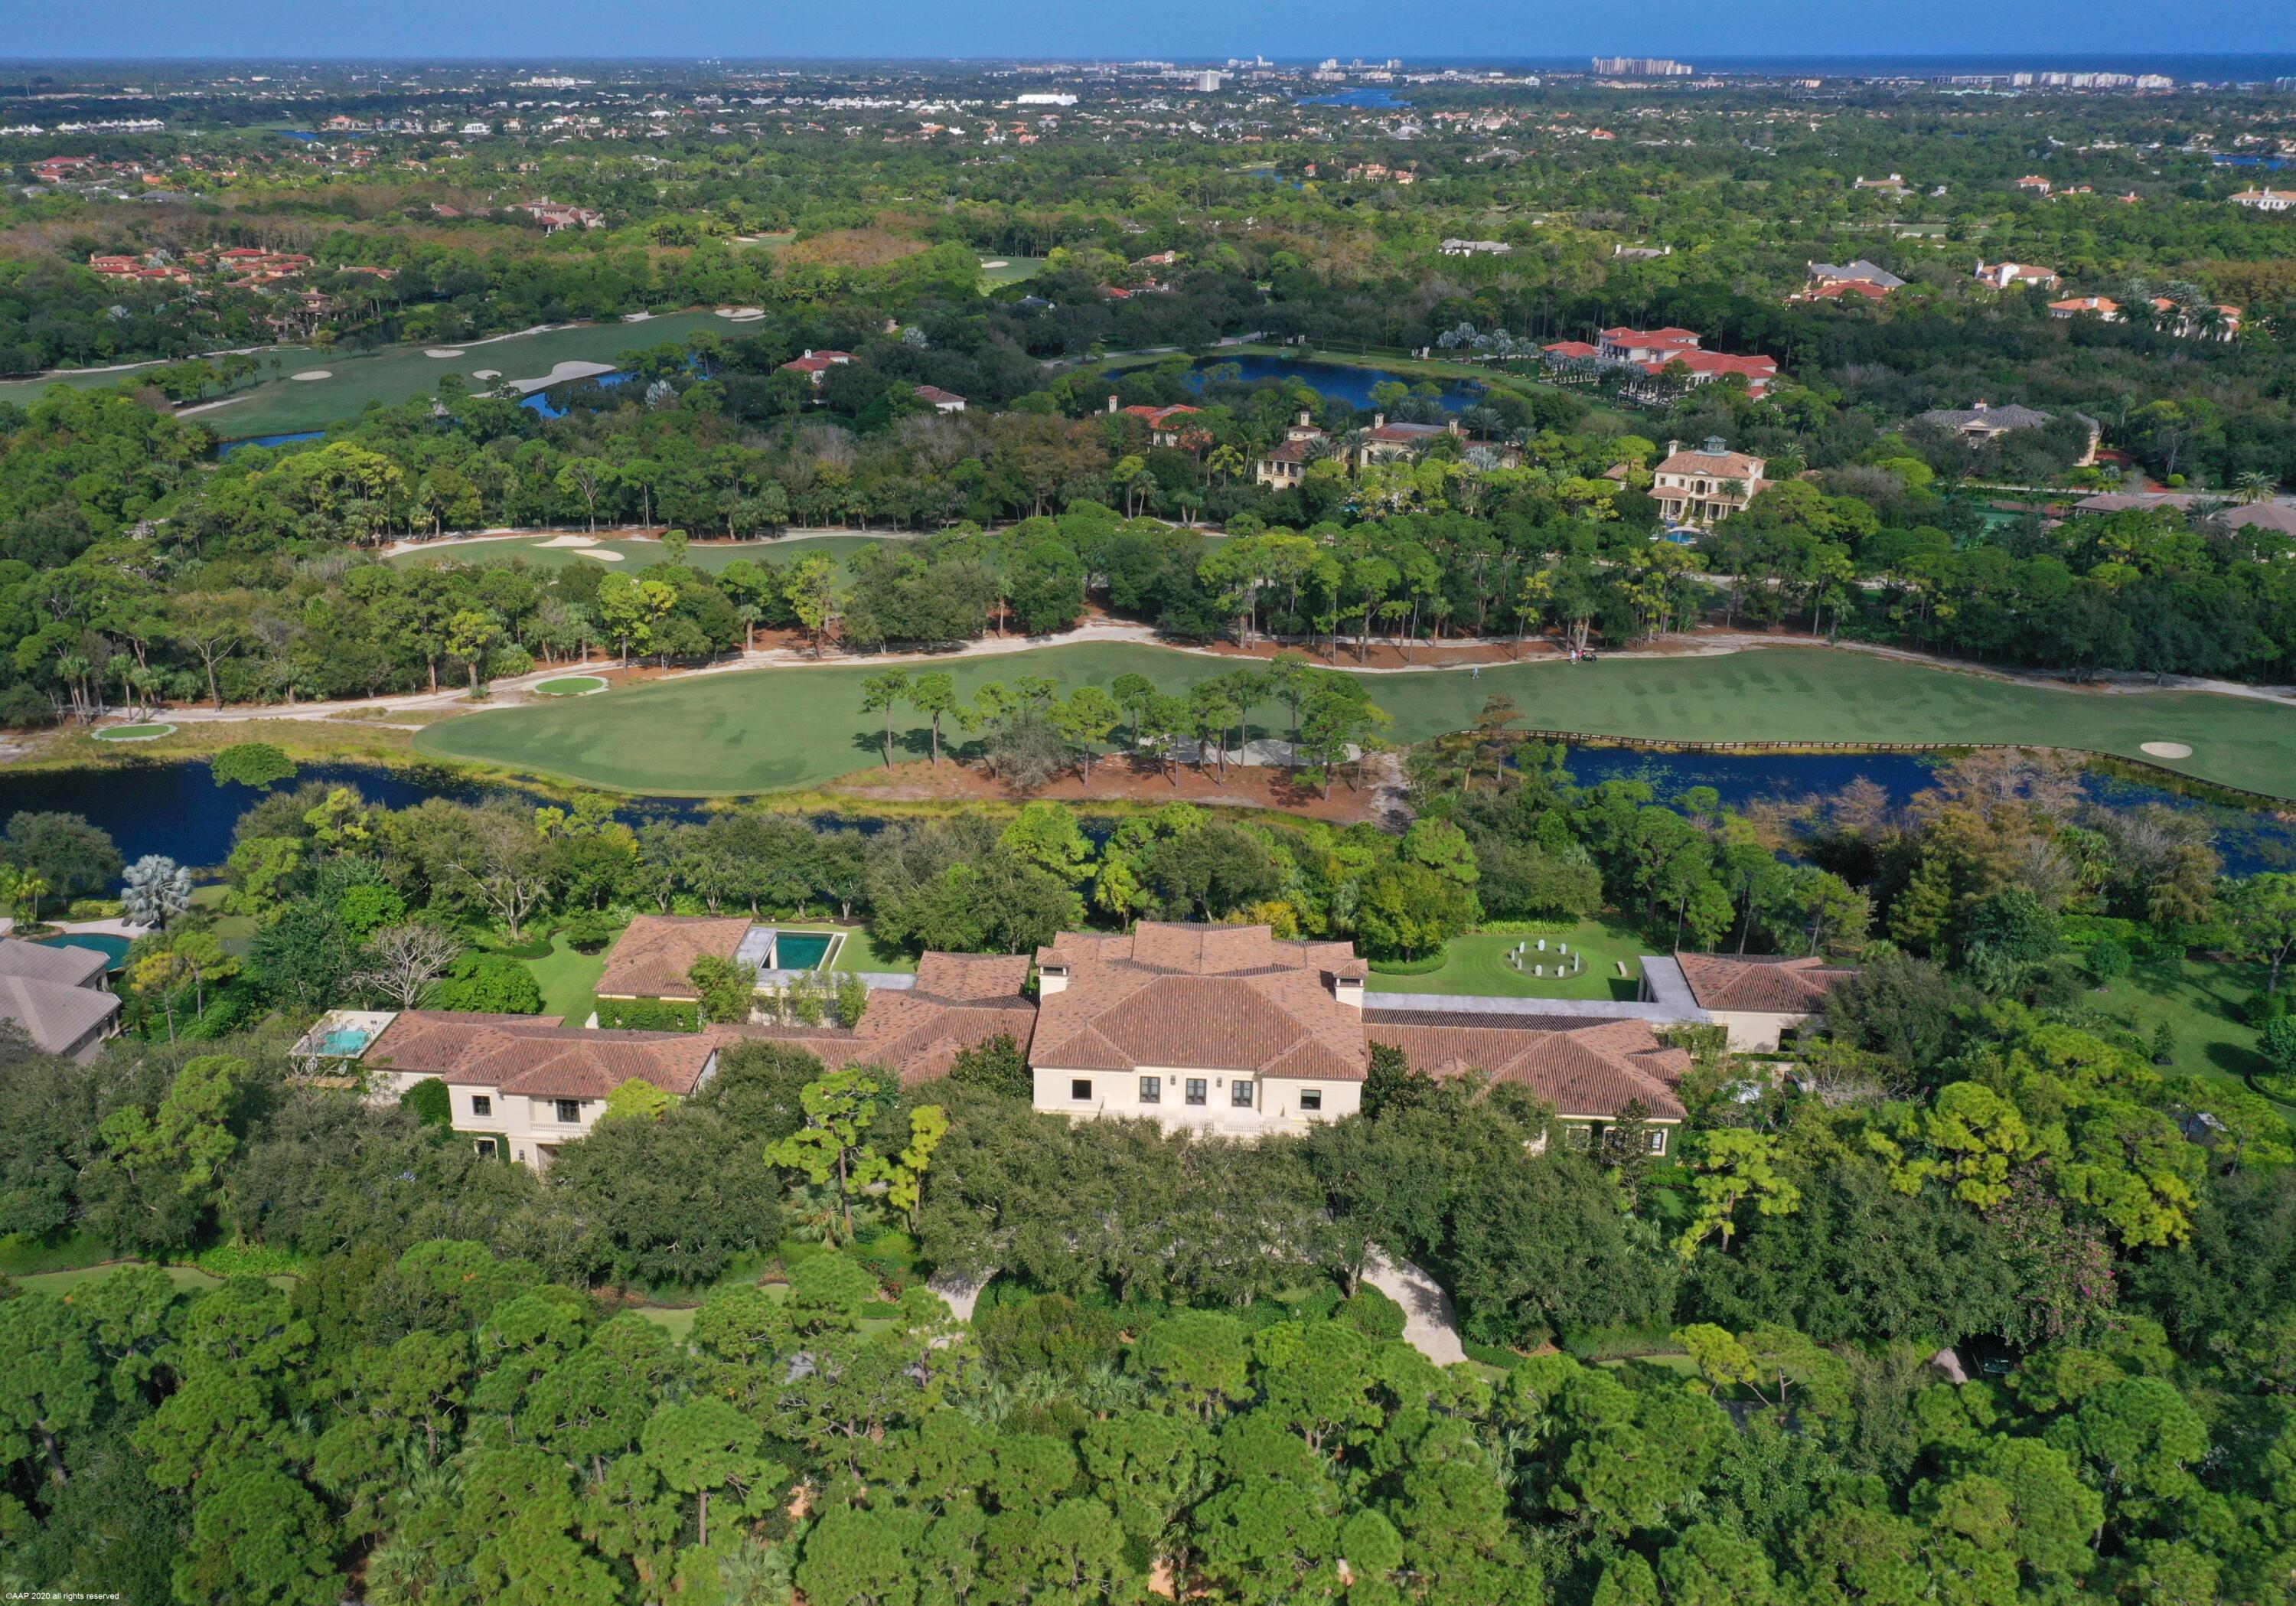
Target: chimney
(1303, 418)
(1979, 406)
(1672, 447)
(1349, 990)
(1379, 421)
(1052, 976)
(1112, 401)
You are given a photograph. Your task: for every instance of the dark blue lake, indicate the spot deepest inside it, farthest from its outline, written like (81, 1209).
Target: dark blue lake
(177, 809)
(226, 447)
(1338, 380)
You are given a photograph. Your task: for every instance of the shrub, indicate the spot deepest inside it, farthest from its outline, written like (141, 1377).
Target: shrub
(2263, 1009)
(257, 764)
(429, 1100)
(491, 984)
(1371, 1313)
(590, 931)
(1053, 1334)
(2277, 1043)
(2106, 962)
(995, 1066)
(95, 909)
(648, 1015)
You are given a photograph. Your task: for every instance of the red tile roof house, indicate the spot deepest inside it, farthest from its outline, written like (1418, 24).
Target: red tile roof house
(813, 365)
(1759, 998)
(651, 957)
(1226, 1031)
(960, 1000)
(521, 1086)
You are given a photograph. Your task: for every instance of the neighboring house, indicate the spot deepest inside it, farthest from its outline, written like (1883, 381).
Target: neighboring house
(1841, 290)
(960, 1000)
(2278, 514)
(2103, 308)
(1219, 1029)
(2193, 324)
(813, 365)
(651, 957)
(2005, 275)
(1893, 185)
(1385, 442)
(1705, 484)
(57, 997)
(1163, 430)
(1980, 422)
(2033, 184)
(1759, 998)
(1476, 248)
(2265, 200)
(1286, 465)
(1654, 350)
(1860, 272)
(521, 1085)
(943, 401)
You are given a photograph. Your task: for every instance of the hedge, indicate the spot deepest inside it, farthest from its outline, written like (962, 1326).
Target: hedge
(648, 1015)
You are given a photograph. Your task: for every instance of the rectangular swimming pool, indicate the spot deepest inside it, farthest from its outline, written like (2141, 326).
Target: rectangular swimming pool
(803, 950)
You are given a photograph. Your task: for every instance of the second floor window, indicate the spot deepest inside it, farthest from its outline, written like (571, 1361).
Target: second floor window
(569, 1110)
(481, 1104)
(1151, 1089)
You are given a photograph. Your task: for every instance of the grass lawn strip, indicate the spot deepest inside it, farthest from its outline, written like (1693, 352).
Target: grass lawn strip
(1478, 966)
(798, 726)
(569, 981)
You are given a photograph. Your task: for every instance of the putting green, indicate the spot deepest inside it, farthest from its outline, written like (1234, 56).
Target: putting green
(762, 731)
(277, 404)
(570, 686)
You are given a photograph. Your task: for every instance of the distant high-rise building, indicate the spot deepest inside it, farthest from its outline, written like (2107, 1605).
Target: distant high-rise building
(1641, 67)
(1208, 83)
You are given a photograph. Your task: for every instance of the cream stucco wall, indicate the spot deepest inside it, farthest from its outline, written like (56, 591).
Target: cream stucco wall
(1755, 1032)
(1278, 1102)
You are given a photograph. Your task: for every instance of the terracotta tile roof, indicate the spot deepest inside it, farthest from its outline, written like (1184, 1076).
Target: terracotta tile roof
(537, 1056)
(1587, 1069)
(960, 999)
(651, 957)
(1725, 465)
(1762, 983)
(1228, 997)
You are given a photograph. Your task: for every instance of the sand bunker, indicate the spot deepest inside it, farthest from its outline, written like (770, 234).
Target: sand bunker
(314, 374)
(603, 558)
(997, 262)
(562, 372)
(571, 540)
(442, 350)
(742, 315)
(636, 317)
(2166, 749)
(486, 373)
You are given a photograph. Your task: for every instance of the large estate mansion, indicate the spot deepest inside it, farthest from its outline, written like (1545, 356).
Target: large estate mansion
(1220, 1030)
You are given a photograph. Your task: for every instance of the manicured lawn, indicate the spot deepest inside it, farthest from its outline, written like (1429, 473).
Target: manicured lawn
(858, 952)
(709, 557)
(2199, 999)
(278, 404)
(1479, 965)
(1014, 269)
(797, 725)
(569, 980)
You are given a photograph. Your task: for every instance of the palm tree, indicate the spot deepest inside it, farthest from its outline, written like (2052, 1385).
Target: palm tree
(2254, 485)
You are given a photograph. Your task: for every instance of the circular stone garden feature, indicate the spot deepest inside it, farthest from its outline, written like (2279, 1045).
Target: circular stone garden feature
(150, 732)
(570, 686)
(2165, 749)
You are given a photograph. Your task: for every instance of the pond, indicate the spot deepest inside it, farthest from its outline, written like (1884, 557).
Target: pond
(177, 809)
(1341, 382)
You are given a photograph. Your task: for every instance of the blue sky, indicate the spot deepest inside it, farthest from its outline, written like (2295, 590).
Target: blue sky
(559, 30)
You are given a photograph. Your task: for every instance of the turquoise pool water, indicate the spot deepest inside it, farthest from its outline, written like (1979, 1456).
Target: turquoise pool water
(112, 947)
(346, 1041)
(802, 950)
